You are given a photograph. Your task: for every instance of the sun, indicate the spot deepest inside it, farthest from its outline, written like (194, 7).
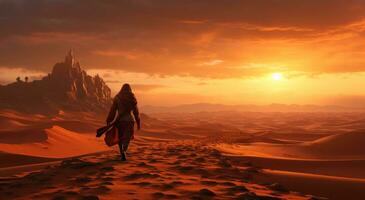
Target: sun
(276, 76)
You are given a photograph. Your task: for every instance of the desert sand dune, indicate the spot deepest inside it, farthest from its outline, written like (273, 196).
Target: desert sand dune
(59, 136)
(189, 156)
(58, 143)
(340, 145)
(331, 187)
(36, 132)
(79, 126)
(298, 137)
(334, 179)
(339, 168)
(165, 170)
(335, 147)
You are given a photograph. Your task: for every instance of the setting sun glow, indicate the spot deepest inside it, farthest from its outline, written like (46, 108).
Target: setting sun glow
(277, 76)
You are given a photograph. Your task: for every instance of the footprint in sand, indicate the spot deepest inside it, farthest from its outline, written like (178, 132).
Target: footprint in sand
(199, 160)
(107, 179)
(252, 195)
(143, 184)
(59, 197)
(183, 156)
(107, 169)
(224, 163)
(177, 183)
(228, 184)
(203, 194)
(278, 188)
(100, 190)
(90, 197)
(209, 183)
(215, 153)
(143, 164)
(138, 175)
(107, 183)
(184, 169)
(153, 160)
(237, 189)
(82, 180)
(160, 195)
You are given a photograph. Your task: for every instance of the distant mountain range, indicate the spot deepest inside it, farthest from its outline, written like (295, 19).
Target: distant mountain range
(67, 87)
(206, 107)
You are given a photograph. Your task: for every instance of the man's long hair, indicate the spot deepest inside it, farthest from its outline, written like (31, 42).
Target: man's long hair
(126, 95)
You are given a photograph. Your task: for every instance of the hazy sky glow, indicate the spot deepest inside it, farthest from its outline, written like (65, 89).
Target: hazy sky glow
(192, 51)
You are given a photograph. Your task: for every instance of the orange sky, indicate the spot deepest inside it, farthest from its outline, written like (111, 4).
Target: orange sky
(192, 51)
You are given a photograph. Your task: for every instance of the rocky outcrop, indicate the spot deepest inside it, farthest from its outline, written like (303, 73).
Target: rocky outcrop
(67, 87)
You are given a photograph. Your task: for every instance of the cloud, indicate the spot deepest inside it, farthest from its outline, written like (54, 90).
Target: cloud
(147, 87)
(212, 62)
(164, 37)
(143, 88)
(117, 53)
